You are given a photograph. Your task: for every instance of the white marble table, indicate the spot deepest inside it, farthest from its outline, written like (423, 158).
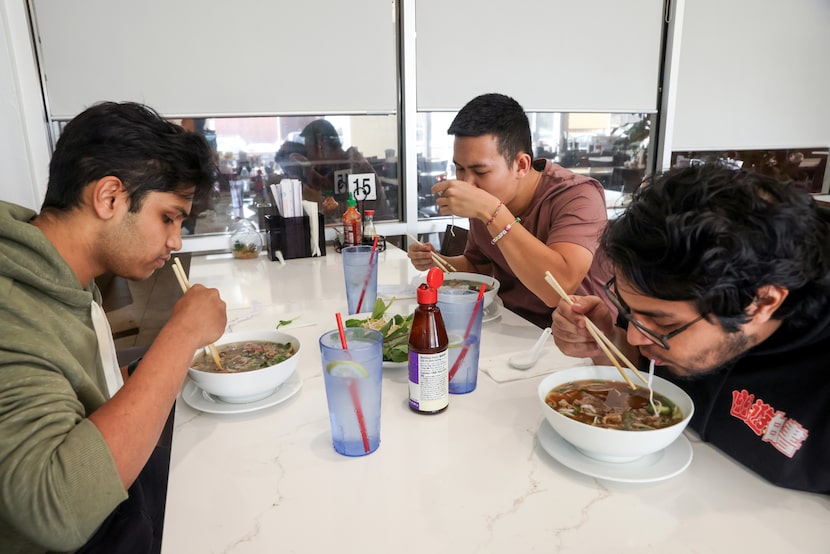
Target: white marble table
(473, 479)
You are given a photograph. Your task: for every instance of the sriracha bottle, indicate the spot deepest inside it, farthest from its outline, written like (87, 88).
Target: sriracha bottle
(352, 224)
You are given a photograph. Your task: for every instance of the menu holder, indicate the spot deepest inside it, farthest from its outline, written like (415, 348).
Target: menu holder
(292, 236)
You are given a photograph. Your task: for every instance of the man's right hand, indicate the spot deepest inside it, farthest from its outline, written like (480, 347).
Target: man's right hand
(570, 332)
(420, 254)
(201, 314)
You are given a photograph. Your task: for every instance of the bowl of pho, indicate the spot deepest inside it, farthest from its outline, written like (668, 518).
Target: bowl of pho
(254, 364)
(460, 282)
(595, 410)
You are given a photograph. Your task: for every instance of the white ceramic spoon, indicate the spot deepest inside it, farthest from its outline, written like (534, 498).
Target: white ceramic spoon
(526, 360)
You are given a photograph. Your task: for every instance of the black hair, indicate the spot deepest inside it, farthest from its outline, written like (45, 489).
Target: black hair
(134, 143)
(283, 158)
(321, 131)
(498, 115)
(714, 236)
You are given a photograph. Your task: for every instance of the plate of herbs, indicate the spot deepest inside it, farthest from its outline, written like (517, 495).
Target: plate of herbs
(394, 328)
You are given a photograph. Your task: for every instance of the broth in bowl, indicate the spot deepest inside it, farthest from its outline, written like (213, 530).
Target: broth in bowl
(465, 284)
(612, 405)
(244, 356)
(258, 363)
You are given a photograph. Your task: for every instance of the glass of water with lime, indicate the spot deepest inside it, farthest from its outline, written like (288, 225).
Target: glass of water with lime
(353, 378)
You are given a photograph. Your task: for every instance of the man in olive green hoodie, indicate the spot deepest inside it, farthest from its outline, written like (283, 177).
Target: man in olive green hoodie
(77, 435)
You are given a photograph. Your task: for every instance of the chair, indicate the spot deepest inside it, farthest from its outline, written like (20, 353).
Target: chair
(453, 241)
(116, 294)
(626, 180)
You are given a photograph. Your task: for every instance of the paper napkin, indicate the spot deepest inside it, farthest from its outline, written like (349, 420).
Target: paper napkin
(310, 208)
(550, 360)
(398, 291)
(275, 192)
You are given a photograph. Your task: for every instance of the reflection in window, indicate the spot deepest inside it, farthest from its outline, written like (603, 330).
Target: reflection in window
(320, 151)
(805, 166)
(254, 152)
(610, 147)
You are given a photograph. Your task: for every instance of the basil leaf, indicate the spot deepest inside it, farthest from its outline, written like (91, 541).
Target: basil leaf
(379, 309)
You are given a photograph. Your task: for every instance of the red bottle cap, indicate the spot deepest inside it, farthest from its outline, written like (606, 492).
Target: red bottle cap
(428, 292)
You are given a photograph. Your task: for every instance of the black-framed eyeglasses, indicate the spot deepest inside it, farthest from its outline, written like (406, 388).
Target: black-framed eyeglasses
(661, 340)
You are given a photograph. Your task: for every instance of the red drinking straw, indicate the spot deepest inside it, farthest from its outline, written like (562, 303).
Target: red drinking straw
(368, 275)
(342, 330)
(463, 353)
(361, 421)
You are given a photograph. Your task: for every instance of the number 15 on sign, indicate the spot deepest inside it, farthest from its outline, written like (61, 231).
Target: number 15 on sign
(362, 185)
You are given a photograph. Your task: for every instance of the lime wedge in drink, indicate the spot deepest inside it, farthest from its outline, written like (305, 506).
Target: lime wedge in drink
(346, 368)
(455, 341)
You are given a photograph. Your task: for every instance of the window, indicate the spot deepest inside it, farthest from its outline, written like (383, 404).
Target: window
(255, 152)
(806, 166)
(610, 147)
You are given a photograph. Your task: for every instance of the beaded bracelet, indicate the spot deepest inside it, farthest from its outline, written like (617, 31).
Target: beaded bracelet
(495, 213)
(504, 231)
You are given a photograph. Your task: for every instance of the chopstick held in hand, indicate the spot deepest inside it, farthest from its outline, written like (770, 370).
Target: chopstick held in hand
(442, 264)
(605, 344)
(181, 276)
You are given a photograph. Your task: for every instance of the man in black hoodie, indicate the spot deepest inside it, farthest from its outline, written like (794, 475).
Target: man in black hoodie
(722, 277)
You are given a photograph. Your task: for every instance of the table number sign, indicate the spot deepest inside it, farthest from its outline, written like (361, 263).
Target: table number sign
(341, 182)
(362, 185)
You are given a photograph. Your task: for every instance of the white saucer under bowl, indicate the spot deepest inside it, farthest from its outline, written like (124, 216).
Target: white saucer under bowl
(665, 464)
(198, 399)
(493, 311)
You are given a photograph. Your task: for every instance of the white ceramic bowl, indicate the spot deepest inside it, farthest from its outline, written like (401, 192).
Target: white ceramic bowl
(248, 386)
(613, 445)
(489, 295)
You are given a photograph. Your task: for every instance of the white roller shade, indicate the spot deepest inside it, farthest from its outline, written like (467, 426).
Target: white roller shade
(196, 57)
(753, 74)
(551, 55)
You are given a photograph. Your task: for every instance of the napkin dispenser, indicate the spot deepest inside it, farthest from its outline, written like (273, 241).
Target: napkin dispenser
(292, 236)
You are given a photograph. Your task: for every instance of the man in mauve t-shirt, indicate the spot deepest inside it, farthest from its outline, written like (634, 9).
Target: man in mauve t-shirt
(526, 217)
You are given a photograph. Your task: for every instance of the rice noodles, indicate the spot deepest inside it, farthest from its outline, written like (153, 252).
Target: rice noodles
(650, 389)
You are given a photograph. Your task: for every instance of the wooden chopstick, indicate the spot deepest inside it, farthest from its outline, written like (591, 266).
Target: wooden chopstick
(181, 276)
(443, 264)
(606, 345)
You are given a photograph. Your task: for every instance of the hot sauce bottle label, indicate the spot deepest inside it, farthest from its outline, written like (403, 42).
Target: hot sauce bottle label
(428, 382)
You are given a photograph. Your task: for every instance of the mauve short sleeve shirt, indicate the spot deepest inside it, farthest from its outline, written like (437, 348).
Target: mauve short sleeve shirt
(566, 207)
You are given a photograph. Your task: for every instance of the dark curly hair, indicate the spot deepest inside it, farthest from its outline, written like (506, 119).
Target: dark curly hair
(714, 236)
(134, 143)
(499, 115)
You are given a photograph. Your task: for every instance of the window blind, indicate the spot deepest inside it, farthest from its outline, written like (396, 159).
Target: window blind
(196, 57)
